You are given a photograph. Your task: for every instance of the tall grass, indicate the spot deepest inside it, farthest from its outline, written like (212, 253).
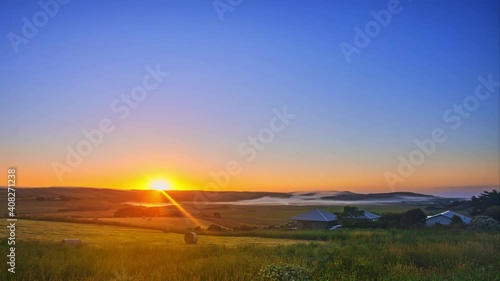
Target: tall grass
(424, 254)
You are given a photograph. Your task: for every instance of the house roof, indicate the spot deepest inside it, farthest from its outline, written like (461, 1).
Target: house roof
(366, 215)
(315, 215)
(450, 214)
(370, 215)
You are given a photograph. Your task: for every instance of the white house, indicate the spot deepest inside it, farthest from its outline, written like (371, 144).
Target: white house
(445, 218)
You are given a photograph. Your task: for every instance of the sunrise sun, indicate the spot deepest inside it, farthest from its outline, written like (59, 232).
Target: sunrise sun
(160, 184)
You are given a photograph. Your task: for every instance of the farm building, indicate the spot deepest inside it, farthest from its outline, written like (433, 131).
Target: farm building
(315, 219)
(445, 218)
(368, 216)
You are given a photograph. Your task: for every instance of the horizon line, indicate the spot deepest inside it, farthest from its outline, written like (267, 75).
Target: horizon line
(409, 189)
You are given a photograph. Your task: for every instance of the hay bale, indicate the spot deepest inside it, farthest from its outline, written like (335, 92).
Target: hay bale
(166, 230)
(72, 242)
(191, 238)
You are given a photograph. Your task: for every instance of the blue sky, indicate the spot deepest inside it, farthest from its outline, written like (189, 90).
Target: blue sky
(227, 76)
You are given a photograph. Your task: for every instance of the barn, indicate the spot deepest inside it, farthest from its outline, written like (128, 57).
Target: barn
(445, 218)
(315, 219)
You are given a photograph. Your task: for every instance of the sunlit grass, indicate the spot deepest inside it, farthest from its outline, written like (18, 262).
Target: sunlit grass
(118, 253)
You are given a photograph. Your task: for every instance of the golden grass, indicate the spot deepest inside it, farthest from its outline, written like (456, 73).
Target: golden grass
(120, 253)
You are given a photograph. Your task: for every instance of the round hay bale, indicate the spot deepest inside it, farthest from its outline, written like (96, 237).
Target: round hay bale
(191, 238)
(166, 230)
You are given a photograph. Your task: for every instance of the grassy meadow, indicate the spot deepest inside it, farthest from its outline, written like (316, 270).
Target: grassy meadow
(121, 253)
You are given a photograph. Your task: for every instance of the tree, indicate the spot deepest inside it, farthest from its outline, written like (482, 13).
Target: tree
(352, 212)
(413, 217)
(351, 215)
(484, 201)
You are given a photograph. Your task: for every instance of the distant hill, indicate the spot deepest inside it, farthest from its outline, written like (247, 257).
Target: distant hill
(391, 196)
(152, 196)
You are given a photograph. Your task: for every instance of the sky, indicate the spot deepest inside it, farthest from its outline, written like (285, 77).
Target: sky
(217, 74)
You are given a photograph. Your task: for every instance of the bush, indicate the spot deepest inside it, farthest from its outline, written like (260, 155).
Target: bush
(245, 228)
(457, 223)
(484, 223)
(413, 217)
(283, 272)
(456, 220)
(214, 227)
(493, 212)
(389, 220)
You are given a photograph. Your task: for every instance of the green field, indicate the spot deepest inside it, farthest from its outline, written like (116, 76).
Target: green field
(121, 253)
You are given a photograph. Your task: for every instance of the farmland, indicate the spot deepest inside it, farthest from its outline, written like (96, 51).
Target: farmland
(121, 253)
(152, 247)
(88, 203)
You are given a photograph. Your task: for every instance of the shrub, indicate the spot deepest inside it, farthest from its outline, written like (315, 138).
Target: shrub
(214, 227)
(494, 212)
(283, 272)
(413, 217)
(456, 220)
(456, 223)
(390, 220)
(245, 227)
(484, 223)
